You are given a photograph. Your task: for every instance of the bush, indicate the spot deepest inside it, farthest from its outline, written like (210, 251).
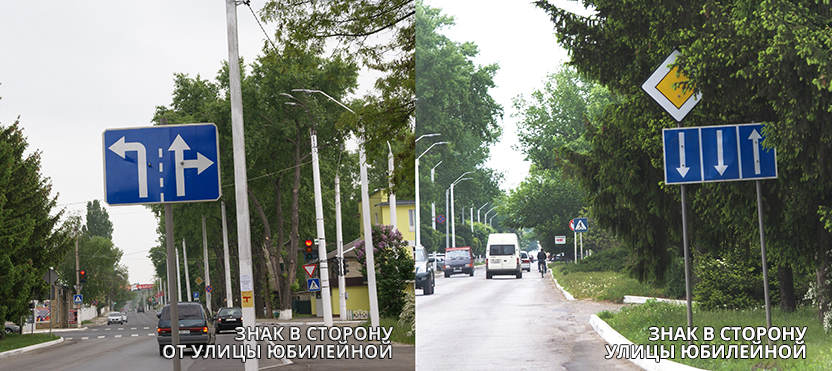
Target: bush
(394, 267)
(675, 284)
(733, 282)
(610, 260)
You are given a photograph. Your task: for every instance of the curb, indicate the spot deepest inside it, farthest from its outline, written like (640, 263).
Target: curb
(30, 348)
(565, 293)
(633, 299)
(612, 337)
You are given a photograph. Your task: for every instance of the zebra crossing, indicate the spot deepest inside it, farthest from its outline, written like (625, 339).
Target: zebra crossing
(114, 335)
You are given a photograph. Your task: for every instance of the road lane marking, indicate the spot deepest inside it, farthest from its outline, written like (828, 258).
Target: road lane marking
(134, 335)
(118, 336)
(132, 328)
(101, 337)
(85, 338)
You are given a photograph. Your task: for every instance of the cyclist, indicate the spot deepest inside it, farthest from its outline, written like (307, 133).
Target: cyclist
(541, 261)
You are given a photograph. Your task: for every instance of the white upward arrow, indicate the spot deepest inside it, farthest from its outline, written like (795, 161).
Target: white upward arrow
(120, 146)
(682, 169)
(201, 163)
(719, 155)
(755, 141)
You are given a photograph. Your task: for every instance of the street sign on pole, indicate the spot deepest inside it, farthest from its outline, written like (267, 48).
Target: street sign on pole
(663, 87)
(717, 154)
(314, 284)
(579, 225)
(310, 269)
(196, 295)
(440, 219)
(208, 288)
(158, 164)
(560, 240)
(78, 299)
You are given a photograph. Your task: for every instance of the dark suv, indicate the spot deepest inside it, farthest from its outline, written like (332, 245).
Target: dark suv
(194, 326)
(228, 319)
(459, 260)
(423, 271)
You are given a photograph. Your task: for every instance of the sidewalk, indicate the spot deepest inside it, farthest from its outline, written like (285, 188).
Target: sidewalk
(100, 320)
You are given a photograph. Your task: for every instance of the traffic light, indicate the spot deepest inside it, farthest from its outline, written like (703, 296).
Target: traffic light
(335, 266)
(82, 276)
(308, 243)
(345, 268)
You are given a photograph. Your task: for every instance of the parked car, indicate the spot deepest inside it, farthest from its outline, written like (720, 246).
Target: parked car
(459, 260)
(228, 318)
(114, 317)
(194, 326)
(525, 262)
(423, 271)
(502, 255)
(12, 328)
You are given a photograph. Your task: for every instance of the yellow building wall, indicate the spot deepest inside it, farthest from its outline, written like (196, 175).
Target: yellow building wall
(383, 213)
(359, 298)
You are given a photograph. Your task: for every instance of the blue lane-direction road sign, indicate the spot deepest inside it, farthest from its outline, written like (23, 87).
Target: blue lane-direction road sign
(158, 164)
(78, 299)
(681, 156)
(196, 294)
(314, 284)
(717, 153)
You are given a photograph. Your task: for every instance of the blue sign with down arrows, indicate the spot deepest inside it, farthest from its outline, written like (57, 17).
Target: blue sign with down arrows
(717, 153)
(158, 164)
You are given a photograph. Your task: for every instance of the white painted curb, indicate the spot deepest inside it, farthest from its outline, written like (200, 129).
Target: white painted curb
(565, 293)
(612, 337)
(30, 348)
(633, 299)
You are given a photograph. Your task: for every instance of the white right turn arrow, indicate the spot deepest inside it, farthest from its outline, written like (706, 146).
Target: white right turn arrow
(201, 163)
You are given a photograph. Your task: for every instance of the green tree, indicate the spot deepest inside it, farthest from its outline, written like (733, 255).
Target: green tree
(381, 35)
(31, 238)
(98, 221)
(394, 267)
(454, 102)
(752, 61)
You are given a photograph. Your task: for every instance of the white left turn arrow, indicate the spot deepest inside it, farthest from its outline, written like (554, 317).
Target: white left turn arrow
(755, 141)
(120, 147)
(201, 163)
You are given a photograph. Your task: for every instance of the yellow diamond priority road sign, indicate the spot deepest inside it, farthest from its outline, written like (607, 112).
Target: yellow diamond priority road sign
(663, 87)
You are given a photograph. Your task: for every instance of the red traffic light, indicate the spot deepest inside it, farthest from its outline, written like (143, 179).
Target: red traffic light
(308, 244)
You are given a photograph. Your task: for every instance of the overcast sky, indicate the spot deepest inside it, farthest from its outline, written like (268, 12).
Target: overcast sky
(73, 69)
(519, 37)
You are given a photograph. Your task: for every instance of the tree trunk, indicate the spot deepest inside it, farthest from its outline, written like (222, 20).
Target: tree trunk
(266, 246)
(822, 275)
(785, 277)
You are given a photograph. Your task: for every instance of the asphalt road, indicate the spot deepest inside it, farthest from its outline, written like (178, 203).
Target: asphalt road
(132, 346)
(505, 323)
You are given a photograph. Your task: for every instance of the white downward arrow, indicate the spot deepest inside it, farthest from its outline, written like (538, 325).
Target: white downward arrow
(120, 147)
(755, 141)
(201, 163)
(682, 169)
(719, 155)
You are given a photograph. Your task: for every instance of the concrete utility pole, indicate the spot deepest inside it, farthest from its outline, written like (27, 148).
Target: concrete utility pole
(187, 277)
(207, 270)
(77, 286)
(339, 243)
(391, 196)
(229, 301)
(240, 180)
(433, 203)
(178, 278)
(326, 299)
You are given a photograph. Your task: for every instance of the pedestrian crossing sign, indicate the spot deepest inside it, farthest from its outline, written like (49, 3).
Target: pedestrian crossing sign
(314, 284)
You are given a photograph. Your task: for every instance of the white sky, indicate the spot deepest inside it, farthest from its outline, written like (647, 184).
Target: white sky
(520, 39)
(73, 69)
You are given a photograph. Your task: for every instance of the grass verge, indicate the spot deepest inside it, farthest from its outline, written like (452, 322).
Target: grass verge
(17, 341)
(399, 334)
(610, 286)
(633, 322)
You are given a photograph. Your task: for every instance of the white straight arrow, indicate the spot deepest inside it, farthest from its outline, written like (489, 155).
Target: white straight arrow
(682, 169)
(719, 153)
(201, 163)
(755, 140)
(120, 147)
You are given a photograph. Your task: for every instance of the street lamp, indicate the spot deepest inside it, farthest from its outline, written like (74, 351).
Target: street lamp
(433, 204)
(319, 215)
(478, 211)
(365, 208)
(453, 225)
(418, 213)
(485, 219)
(426, 136)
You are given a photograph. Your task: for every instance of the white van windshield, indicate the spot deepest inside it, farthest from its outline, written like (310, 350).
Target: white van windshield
(501, 250)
